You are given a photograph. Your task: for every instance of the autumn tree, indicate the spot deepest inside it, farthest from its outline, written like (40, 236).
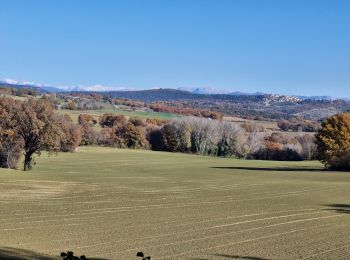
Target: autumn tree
(176, 136)
(88, 135)
(10, 141)
(10, 149)
(138, 122)
(70, 135)
(333, 142)
(71, 105)
(30, 127)
(110, 120)
(35, 122)
(108, 137)
(132, 136)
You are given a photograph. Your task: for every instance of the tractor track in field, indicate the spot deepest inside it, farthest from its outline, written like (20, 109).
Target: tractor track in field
(175, 205)
(217, 219)
(111, 203)
(239, 242)
(195, 231)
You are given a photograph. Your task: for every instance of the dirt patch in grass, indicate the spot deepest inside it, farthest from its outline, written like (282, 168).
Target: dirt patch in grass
(33, 189)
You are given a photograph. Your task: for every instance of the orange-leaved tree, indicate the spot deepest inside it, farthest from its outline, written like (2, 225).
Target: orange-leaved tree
(35, 122)
(333, 142)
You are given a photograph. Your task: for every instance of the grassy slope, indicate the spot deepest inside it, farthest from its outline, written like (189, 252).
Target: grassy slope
(112, 203)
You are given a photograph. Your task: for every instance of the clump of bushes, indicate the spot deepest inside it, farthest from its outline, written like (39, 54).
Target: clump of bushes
(281, 147)
(88, 133)
(204, 113)
(203, 136)
(196, 135)
(118, 131)
(298, 125)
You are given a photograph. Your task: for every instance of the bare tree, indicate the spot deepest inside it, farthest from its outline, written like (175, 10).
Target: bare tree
(229, 134)
(252, 143)
(205, 135)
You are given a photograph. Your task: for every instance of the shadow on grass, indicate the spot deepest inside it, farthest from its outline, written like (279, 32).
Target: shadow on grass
(340, 208)
(234, 257)
(241, 257)
(10, 253)
(272, 169)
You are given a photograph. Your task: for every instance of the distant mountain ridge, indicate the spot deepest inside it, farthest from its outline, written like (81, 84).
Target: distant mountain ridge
(160, 93)
(245, 105)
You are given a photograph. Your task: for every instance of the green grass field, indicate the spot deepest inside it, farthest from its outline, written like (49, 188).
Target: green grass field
(111, 203)
(141, 114)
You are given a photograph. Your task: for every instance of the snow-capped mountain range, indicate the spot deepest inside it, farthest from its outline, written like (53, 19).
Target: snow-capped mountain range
(194, 90)
(47, 87)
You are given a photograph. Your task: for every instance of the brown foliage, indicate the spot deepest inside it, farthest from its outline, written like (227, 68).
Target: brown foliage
(119, 132)
(70, 134)
(132, 136)
(156, 121)
(10, 149)
(297, 125)
(88, 134)
(110, 120)
(32, 126)
(129, 102)
(284, 147)
(109, 137)
(86, 119)
(161, 107)
(71, 105)
(138, 122)
(35, 122)
(253, 127)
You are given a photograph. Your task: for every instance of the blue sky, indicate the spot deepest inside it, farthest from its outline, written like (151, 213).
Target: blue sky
(291, 47)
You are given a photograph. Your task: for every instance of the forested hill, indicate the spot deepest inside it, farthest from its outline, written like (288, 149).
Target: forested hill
(151, 95)
(267, 106)
(163, 94)
(251, 106)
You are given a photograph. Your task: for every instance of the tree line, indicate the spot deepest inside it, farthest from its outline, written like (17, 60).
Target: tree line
(298, 125)
(30, 127)
(195, 135)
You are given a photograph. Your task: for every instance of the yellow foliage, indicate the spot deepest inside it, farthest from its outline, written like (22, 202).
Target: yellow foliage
(333, 141)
